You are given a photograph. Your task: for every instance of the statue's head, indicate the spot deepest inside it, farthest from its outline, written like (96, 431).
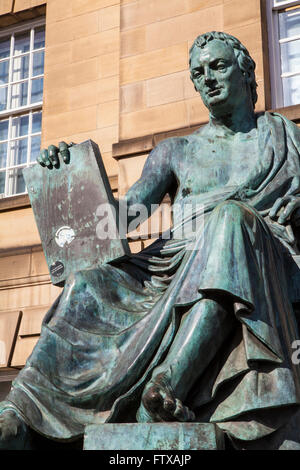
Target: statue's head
(222, 70)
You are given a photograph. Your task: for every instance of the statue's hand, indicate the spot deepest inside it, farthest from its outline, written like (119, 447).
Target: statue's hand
(50, 157)
(283, 208)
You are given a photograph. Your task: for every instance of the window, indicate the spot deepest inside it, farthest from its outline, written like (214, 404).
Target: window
(284, 51)
(21, 96)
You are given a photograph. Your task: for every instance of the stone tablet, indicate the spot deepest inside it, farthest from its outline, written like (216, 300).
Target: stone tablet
(153, 436)
(68, 206)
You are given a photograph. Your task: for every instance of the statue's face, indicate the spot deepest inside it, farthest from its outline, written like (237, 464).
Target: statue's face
(217, 76)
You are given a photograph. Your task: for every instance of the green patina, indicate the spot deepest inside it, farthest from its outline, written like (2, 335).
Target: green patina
(195, 328)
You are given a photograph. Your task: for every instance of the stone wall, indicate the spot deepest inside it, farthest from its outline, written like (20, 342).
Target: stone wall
(156, 91)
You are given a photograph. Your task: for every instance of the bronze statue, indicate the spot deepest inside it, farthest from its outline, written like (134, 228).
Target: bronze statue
(194, 328)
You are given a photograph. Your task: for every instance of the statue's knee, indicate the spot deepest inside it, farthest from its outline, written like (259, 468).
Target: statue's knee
(236, 210)
(81, 279)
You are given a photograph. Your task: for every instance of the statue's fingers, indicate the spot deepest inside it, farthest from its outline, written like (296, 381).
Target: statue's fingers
(53, 154)
(64, 151)
(290, 233)
(40, 161)
(279, 203)
(289, 209)
(43, 158)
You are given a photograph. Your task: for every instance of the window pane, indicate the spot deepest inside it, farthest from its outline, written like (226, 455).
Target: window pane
(19, 95)
(289, 23)
(36, 122)
(4, 130)
(290, 56)
(18, 151)
(35, 147)
(38, 63)
(2, 182)
(4, 72)
(16, 181)
(4, 48)
(20, 68)
(37, 90)
(22, 43)
(19, 126)
(3, 98)
(21, 187)
(3, 155)
(280, 2)
(39, 37)
(291, 90)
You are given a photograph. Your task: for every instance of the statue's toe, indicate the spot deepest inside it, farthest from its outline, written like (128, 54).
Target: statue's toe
(160, 404)
(183, 413)
(152, 399)
(169, 405)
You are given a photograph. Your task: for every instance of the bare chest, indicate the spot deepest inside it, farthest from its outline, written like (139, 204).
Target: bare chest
(213, 163)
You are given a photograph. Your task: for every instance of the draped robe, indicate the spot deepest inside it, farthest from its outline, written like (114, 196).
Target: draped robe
(111, 326)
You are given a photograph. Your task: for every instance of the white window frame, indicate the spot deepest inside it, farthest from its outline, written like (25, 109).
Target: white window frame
(273, 6)
(26, 110)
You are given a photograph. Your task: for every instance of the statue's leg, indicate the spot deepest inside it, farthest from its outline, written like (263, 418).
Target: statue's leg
(14, 433)
(202, 331)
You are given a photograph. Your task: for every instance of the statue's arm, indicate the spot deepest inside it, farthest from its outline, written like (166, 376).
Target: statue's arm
(156, 181)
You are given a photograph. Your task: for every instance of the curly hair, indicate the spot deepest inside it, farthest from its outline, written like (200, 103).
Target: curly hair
(245, 61)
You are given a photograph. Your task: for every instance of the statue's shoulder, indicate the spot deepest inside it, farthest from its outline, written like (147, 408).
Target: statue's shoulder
(292, 130)
(173, 149)
(177, 143)
(278, 117)
(168, 149)
(173, 143)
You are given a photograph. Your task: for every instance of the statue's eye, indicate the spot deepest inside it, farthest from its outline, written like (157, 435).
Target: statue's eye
(197, 74)
(221, 67)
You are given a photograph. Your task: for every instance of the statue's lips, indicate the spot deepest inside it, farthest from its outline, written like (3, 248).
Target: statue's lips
(214, 92)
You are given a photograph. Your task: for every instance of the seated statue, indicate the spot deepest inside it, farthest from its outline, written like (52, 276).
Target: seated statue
(197, 327)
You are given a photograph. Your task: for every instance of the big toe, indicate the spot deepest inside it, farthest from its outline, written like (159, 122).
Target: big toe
(153, 399)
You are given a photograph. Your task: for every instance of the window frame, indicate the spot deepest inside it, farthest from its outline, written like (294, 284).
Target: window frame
(276, 75)
(26, 110)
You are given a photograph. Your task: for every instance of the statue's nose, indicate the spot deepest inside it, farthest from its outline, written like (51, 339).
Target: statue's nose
(208, 77)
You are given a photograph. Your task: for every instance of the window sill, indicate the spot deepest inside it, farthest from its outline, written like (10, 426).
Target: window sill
(14, 202)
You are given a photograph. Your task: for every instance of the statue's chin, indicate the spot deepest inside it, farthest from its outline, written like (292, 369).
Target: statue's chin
(219, 109)
(215, 102)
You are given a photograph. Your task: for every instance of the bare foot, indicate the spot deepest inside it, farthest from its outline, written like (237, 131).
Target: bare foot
(160, 404)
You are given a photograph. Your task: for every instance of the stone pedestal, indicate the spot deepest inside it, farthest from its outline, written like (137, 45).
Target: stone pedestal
(153, 436)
